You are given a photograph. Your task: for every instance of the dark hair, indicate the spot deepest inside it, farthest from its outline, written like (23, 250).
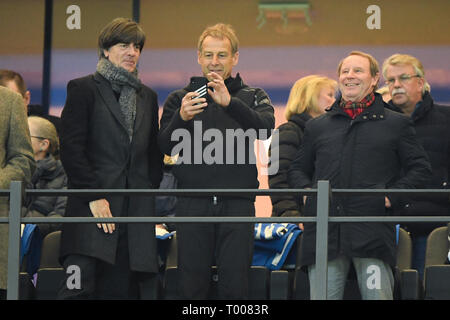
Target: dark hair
(120, 30)
(9, 75)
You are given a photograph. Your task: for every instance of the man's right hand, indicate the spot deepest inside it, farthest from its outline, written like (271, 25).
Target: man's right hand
(189, 108)
(100, 209)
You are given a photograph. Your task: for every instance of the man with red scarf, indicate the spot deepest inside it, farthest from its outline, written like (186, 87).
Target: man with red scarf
(358, 144)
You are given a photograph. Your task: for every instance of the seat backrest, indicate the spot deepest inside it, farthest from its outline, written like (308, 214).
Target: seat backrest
(50, 250)
(172, 252)
(404, 250)
(437, 247)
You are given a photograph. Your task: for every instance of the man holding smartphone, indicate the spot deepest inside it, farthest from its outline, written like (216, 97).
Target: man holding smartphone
(230, 107)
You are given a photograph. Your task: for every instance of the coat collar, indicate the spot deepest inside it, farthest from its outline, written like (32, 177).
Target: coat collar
(113, 105)
(140, 109)
(300, 119)
(374, 112)
(47, 169)
(424, 107)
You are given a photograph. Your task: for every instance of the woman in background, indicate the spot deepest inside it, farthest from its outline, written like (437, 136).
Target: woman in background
(309, 98)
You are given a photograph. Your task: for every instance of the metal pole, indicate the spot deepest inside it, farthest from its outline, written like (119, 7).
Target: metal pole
(136, 10)
(323, 206)
(15, 207)
(47, 63)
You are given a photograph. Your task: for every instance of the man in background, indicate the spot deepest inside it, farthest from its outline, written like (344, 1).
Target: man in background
(410, 92)
(14, 81)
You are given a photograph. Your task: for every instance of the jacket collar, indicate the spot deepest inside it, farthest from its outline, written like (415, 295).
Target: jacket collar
(112, 104)
(423, 107)
(300, 119)
(234, 84)
(373, 112)
(47, 169)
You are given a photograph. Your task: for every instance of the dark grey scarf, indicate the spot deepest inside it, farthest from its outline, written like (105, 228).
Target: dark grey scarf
(125, 83)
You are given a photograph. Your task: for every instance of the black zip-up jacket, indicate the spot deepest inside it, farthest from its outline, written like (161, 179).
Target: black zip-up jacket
(212, 157)
(376, 150)
(432, 125)
(290, 137)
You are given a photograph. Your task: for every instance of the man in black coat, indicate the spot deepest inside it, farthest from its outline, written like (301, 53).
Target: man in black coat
(109, 141)
(211, 160)
(309, 97)
(358, 144)
(410, 92)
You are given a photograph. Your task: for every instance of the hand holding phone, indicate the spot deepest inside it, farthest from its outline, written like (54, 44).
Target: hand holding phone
(200, 86)
(194, 101)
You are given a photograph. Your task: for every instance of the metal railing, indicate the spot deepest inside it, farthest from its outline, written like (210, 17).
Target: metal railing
(17, 193)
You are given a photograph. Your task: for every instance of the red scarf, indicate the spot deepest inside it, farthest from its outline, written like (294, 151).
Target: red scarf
(353, 109)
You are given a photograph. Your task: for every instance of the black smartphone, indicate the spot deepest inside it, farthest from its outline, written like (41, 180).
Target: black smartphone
(199, 85)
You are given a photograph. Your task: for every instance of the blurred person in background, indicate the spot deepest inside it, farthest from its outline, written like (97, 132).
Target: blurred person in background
(384, 91)
(49, 174)
(410, 91)
(14, 81)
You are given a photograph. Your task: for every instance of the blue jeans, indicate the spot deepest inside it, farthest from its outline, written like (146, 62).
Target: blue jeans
(375, 278)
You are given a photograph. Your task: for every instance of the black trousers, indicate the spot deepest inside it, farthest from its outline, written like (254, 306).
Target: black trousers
(202, 245)
(104, 281)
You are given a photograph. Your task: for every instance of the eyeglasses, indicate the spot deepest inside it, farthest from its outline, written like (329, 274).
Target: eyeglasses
(37, 137)
(404, 78)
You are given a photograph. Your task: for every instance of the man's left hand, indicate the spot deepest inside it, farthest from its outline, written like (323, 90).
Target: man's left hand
(220, 95)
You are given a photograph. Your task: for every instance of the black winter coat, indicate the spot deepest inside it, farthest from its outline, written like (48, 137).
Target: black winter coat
(250, 111)
(368, 152)
(49, 174)
(290, 137)
(97, 154)
(432, 124)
